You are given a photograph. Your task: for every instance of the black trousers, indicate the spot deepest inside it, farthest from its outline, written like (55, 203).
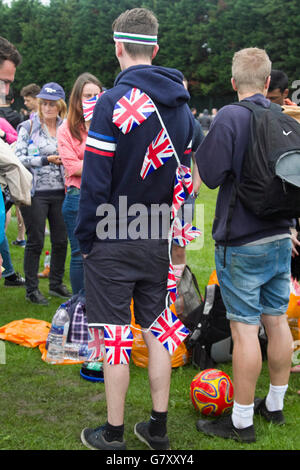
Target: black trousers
(35, 216)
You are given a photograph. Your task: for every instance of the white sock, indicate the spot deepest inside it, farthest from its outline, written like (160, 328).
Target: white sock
(275, 397)
(242, 415)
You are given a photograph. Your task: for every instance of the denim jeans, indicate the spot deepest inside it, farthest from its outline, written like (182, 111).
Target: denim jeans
(5, 253)
(44, 207)
(255, 279)
(70, 210)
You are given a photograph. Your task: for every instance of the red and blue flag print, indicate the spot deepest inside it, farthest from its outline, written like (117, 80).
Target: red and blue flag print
(171, 283)
(132, 110)
(183, 177)
(88, 107)
(186, 175)
(95, 344)
(158, 152)
(178, 194)
(169, 330)
(183, 233)
(118, 341)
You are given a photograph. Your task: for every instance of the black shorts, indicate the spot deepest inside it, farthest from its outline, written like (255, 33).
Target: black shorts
(117, 272)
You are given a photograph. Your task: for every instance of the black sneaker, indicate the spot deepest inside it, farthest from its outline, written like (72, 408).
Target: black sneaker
(275, 417)
(223, 427)
(94, 439)
(141, 430)
(17, 242)
(36, 297)
(15, 280)
(60, 291)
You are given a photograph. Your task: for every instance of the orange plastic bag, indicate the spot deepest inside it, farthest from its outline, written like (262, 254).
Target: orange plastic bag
(293, 310)
(139, 351)
(27, 332)
(213, 278)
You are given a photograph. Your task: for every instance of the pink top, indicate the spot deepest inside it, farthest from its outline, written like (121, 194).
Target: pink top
(11, 133)
(71, 152)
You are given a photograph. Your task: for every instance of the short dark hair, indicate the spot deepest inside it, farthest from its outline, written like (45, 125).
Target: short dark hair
(30, 90)
(9, 52)
(279, 80)
(138, 21)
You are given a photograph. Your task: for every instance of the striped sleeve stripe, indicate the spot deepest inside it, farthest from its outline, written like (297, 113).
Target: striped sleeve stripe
(100, 147)
(107, 138)
(99, 152)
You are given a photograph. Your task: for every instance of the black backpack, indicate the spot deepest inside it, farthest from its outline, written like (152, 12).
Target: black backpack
(270, 182)
(210, 341)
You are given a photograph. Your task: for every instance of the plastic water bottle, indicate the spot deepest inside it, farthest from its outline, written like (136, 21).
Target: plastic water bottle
(76, 351)
(46, 270)
(32, 149)
(47, 260)
(58, 335)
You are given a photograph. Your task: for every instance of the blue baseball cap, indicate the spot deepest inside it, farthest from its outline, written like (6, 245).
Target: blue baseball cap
(52, 91)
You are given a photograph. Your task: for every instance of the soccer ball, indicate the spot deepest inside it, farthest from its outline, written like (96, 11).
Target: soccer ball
(212, 392)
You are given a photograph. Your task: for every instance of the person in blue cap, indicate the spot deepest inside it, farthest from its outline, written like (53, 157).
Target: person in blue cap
(36, 147)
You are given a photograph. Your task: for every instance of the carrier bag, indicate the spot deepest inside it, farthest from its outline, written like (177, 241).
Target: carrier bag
(189, 295)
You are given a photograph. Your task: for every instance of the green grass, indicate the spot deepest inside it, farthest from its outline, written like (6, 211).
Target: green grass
(44, 407)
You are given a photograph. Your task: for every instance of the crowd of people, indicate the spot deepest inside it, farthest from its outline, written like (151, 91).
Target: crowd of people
(69, 163)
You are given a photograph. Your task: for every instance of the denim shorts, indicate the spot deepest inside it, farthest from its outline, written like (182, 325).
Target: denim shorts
(255, 279)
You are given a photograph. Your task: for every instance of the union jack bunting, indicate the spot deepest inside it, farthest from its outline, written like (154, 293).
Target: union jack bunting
(183, 233)
(178, 194)
(169, 330)
(158, 152)
(95, 344)
(171, 283)
(132, 109)
(118, 341)
(101, 145)
(186, 175)
(88, 107)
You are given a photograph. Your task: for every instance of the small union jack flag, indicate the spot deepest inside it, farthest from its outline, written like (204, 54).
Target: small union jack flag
(171, 283)
(118, 341)
(178, 194)
(88, 107)
(158, 152)
(95, 344)
(132, 109)
(169, 330)
(186, 175)
(183, 233)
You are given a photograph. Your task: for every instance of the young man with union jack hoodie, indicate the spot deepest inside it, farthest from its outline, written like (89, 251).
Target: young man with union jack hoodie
(140, 134)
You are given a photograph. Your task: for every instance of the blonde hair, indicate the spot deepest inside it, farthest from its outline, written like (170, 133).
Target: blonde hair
(61, 106)
(250, 69)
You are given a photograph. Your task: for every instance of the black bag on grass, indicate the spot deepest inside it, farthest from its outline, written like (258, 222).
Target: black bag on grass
(210, 339)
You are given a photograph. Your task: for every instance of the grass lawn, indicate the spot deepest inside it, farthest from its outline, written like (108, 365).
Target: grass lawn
(44, 407)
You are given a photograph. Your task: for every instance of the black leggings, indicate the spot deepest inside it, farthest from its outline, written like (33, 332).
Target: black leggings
(35, 216)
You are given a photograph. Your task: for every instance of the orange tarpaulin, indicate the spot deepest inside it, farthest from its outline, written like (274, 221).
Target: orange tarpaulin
(27, 332)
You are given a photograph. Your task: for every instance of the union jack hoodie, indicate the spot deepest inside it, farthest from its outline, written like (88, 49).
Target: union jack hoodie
(128, 155)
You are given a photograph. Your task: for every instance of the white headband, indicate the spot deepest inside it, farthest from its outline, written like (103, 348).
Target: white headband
(135, 38)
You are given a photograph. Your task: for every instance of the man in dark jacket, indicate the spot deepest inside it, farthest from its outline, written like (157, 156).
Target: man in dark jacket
(252, 261)
(122, 235)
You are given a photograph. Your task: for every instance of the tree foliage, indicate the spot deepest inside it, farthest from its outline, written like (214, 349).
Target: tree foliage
(67, 37)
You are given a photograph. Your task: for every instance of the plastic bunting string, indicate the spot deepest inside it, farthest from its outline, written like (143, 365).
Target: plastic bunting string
(130, 111)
